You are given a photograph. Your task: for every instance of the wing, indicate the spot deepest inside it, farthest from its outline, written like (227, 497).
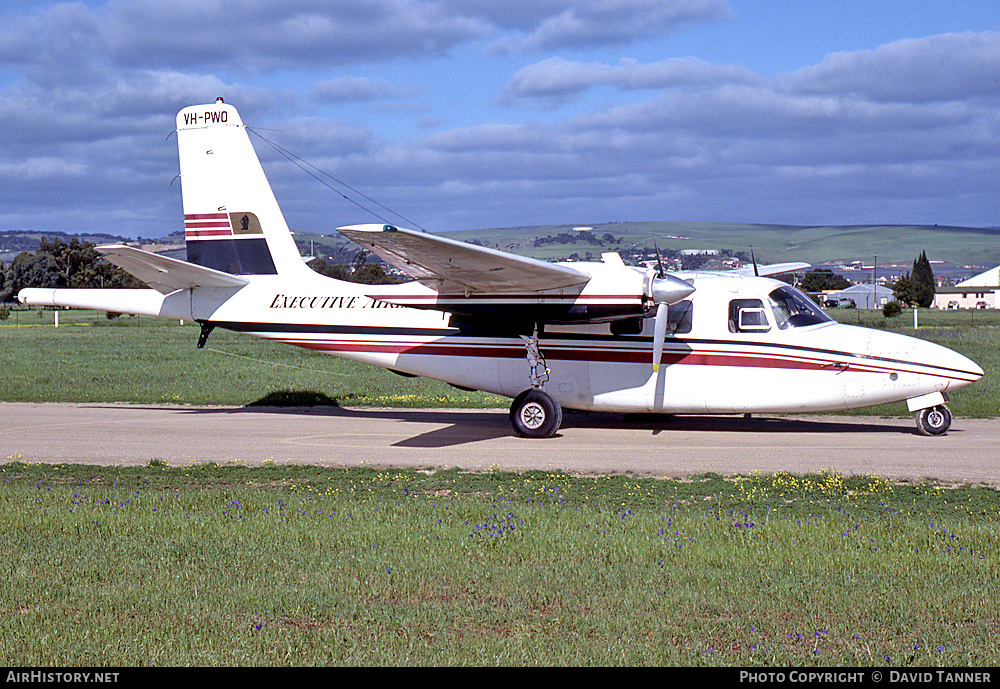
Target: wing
(447, 265)
(165, 274)
(773, 269)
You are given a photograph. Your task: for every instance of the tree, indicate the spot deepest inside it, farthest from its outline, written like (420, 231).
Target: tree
(57, 263)
(916, 288)
(892, 309)
(823, 279)
(362, 270)
(923, 276)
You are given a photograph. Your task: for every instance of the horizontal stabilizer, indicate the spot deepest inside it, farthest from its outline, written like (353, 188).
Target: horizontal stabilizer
(165, 274)
(145, 302)
(458, 266)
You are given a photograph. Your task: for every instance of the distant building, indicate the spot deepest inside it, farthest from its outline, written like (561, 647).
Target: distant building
(864, 296)
(969, 297)
(991, 278)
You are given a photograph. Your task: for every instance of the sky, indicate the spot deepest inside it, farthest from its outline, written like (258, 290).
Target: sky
(472, 114)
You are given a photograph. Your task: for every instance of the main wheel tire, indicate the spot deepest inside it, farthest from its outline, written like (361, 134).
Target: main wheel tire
(535, 414)
(934, 420)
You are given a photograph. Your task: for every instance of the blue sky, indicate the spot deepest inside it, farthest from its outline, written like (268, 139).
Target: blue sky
(474, 114)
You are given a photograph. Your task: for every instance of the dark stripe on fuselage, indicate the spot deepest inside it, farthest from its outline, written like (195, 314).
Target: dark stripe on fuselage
(559, 346)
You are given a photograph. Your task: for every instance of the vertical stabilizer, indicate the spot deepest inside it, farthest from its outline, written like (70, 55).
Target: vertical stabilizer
(232, 221)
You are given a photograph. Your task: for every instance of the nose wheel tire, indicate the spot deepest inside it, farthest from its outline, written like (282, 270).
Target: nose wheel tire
(934, 420)
(535, 414)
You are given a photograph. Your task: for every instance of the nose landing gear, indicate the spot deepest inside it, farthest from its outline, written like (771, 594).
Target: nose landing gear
(933, 420)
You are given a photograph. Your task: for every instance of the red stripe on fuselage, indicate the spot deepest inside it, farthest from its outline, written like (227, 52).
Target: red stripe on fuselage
(637, 351)
(694, 358)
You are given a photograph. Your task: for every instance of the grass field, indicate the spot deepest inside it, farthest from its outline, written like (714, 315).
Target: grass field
(146, 360)
(150, 360)
(220, 566)
(210, 565)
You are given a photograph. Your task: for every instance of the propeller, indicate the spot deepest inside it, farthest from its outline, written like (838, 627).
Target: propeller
(663, 290)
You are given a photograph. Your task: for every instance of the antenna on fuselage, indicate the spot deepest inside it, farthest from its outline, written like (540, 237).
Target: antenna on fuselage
(752, 259)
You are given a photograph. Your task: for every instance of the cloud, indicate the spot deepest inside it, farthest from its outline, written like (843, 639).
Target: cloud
(243, 38)
(69, 38)
(885, 135)
(612, 22)
(936, 68)
(907, 131)
(557, 80)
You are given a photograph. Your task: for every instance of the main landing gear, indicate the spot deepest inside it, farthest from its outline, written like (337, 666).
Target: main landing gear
(535, 413)
(933, 420)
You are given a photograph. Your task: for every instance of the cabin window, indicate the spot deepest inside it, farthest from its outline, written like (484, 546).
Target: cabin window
(679, 317)
(793, 309)
(747, 316)
(678, 321)
(626, 326)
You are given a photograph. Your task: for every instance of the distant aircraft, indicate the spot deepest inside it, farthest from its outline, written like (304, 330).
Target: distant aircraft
(598, 336)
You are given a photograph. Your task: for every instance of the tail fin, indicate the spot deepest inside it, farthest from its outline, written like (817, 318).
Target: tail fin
(232, 221)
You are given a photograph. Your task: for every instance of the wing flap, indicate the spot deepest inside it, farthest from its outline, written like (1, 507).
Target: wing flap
(450, 265)
(165, 274)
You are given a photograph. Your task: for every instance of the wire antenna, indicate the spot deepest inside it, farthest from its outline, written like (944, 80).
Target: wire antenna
(309, 169)
(752, 259)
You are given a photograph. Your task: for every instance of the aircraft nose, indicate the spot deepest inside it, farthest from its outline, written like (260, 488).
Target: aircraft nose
(929, 358)
(958, 367)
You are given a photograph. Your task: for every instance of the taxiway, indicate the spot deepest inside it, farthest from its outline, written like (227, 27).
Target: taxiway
(482, 440)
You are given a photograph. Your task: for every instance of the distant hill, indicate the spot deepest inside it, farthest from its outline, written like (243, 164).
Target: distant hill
(771, 243)
(18, 241)
(818, 245)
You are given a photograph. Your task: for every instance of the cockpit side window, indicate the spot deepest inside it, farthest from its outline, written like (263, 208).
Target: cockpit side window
(793, 309)
(747, 316)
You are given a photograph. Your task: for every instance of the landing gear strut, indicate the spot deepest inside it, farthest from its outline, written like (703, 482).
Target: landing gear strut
(535, 413)
(933, 420)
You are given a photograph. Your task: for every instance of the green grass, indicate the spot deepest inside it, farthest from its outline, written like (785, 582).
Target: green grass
(153, 361)
(209, 565)
(976, 334)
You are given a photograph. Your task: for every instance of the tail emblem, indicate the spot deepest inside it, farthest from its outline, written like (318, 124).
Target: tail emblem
(230, 242)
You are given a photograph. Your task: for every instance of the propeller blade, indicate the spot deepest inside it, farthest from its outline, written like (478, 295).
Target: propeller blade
(659, 264)
(659, 334)
(663, 291)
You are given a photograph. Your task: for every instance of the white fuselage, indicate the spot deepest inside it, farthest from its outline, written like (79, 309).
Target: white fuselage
(709, 365)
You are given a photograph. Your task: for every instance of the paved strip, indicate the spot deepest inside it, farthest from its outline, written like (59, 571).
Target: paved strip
(114, 434)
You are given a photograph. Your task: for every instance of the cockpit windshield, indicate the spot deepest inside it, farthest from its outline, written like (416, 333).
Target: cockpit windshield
(793, 309)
